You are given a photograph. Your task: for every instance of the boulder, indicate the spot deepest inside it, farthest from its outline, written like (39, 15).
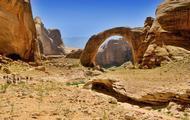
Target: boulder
(75, 54)
(145, 94)
(157, 56)
(50, 40)
(18, 33)
(114, 53)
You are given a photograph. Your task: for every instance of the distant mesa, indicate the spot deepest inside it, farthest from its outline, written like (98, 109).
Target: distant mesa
(50, 40)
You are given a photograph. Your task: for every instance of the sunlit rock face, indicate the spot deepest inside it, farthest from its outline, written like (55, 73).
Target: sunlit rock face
(17, 29)
(172, 24)
(171, 27)
(50, 40)
(113, 53)
(135, 38)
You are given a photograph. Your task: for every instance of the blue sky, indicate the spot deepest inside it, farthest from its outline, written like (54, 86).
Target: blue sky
(80, 19)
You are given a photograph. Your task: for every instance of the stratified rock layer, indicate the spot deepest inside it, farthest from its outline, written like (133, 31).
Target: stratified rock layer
(171, 27)
(113, 53)
(50, 40)
(17, 29)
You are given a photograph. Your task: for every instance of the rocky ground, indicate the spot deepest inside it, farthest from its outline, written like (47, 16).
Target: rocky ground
(57, 91)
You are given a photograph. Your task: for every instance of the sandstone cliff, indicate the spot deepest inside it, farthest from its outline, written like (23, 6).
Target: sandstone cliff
(171, 27)
(113, 53)
(17, 30)
(50, 40)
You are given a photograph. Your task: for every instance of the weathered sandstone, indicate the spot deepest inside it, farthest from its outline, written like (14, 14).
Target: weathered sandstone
(75, 54)
(134, 37)
(151, 93)
(50, 40)
(150, 44)
(171, 27)
(17, 30)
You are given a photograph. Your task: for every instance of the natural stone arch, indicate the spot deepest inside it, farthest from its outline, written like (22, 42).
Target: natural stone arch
(89, 54)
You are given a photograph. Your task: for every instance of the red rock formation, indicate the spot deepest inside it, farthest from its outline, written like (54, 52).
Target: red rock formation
(133, 36)
(58, 44)
(50, 40)
(150, 44)
(171, 27)
(18, 33)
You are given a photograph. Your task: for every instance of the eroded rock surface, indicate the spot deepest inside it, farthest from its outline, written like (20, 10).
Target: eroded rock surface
(18, 33)
(150, 43)
(75, 54)
(125, 91)
(50, 40)
(171, 27)
(134, 37)
(113, 53)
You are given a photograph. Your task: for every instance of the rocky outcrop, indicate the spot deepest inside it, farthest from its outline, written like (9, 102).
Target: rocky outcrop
(113, 53)
(156, 55)
(171, 27)
(134, 37)
(75, 54)
(150, 44)
(124, 91)
(18, 33)
(50, 40)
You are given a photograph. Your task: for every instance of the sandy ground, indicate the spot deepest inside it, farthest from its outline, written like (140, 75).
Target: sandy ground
(55, 92)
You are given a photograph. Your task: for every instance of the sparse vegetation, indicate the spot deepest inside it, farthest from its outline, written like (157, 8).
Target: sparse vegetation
(4, 87)
(55, 96)
(75, 83)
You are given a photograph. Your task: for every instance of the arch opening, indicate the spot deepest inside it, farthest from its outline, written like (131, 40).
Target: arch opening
(14, 56)
(114, 51)
(88, 57)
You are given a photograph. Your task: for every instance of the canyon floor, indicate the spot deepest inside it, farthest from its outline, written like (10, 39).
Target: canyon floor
(55, 91)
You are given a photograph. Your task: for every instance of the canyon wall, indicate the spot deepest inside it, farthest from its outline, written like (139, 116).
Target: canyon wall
(171, 27)
(17, 30)
(50, 40)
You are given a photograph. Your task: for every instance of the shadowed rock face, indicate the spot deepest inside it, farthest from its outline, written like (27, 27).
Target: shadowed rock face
(50, 40)
(17, 29)
(113, 53)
